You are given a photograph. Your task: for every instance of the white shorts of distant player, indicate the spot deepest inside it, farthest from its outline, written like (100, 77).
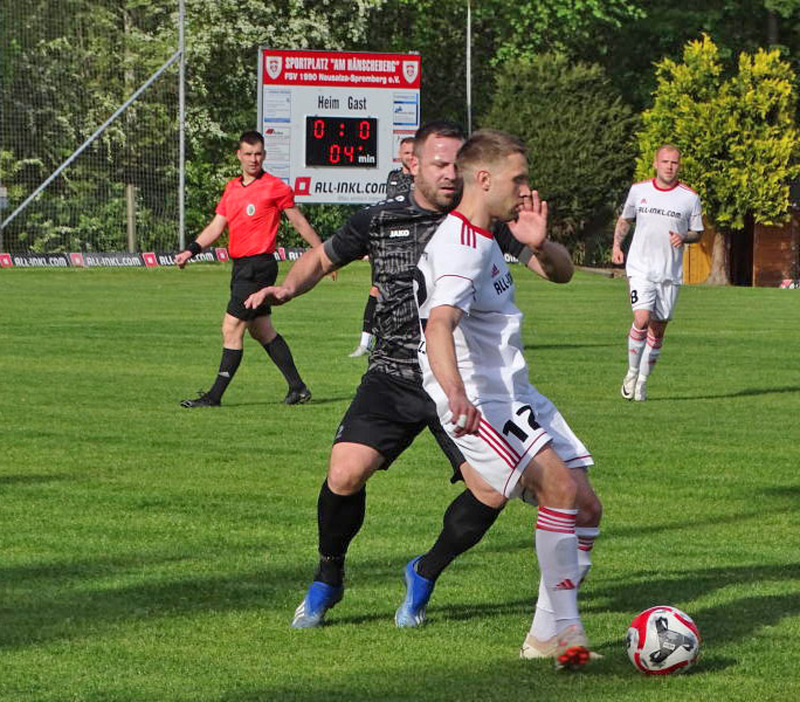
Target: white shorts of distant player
(512, 432)
(659, 298)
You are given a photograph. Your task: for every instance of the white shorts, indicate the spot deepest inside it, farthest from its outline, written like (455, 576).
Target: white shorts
(659, 298)
(511, 433)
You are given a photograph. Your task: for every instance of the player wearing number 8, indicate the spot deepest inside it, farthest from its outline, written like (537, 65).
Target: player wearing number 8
(668, 214)
(474, 370)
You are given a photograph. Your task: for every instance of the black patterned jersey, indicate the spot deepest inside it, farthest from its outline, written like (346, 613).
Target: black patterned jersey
(393, 233)
(398, 183)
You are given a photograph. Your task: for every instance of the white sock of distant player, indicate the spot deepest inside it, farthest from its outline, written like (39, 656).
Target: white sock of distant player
(366, 339)
(543, 626)
(557, 551)
(636, 343)
(652, 351)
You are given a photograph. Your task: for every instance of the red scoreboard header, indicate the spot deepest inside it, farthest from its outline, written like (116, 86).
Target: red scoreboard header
(354, 70)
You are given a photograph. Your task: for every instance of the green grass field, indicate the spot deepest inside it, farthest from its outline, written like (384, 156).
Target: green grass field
(149, 552)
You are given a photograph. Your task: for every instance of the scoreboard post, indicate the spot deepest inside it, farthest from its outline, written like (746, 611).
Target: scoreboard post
(332, 121)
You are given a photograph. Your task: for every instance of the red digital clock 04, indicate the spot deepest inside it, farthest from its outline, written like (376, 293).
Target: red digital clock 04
(342, 142)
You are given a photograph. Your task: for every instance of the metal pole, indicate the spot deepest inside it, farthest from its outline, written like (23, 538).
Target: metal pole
(181, 127)
(92, 138)
(469, 67)
(130, 209)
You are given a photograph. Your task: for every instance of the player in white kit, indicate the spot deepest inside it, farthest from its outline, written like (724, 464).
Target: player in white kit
(668, 215)
(474, 370)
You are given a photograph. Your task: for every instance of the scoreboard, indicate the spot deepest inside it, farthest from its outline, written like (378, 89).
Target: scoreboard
(332, 121)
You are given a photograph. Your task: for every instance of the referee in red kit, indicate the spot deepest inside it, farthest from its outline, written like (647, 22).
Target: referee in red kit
(251, 209)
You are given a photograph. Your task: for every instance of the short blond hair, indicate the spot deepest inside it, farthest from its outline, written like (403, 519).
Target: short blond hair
(488, 146)
(666, 147)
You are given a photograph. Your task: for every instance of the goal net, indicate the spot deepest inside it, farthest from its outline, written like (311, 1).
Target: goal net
(67, 67)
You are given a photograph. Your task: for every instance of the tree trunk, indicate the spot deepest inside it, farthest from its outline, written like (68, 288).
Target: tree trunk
(720, 260)
(772, 28)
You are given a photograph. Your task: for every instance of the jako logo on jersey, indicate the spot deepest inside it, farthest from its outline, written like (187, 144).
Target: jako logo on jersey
(251, 209)
(565, 585)
(495, 270)
(397, 233)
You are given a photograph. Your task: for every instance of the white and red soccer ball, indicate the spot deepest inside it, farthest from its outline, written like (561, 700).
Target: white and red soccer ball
(663, 640)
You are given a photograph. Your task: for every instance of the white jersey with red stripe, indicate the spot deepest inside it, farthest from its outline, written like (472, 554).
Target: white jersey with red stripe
(463, 267)
(658, 211)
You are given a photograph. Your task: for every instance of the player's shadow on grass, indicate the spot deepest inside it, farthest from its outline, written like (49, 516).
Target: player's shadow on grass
(565, 347)
(277, 401)
(57, 600)
(20, 479)
(747, 392)
(720, 624)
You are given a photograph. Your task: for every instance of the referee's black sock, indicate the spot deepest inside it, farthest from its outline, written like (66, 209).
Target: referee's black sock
(281, 356)
(369, 314)
(339, 518)
(466, 520)
(231, 358)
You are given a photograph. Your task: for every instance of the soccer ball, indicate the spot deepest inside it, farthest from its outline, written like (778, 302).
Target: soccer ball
(663, 640)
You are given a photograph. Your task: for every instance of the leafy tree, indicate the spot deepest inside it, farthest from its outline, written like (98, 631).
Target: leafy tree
(501, 30)
(580, 137)
(738, 136)
(629, 51)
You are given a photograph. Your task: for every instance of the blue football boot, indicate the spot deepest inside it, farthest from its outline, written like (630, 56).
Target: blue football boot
(418, 591)
(318, 600)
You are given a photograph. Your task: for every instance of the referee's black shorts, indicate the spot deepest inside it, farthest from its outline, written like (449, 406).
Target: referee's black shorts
(250, 274)
(388, 413)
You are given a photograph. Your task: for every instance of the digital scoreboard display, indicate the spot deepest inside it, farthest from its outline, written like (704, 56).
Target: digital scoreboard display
(341, 142)
(333, 120)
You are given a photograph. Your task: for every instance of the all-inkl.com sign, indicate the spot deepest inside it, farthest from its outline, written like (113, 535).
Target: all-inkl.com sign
(333, 121)
(121, 259)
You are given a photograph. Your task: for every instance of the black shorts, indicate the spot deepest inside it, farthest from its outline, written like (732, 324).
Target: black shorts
(388, 413)
(250, 274)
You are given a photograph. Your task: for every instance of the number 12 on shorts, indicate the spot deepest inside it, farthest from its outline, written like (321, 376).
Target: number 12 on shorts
(511, 427)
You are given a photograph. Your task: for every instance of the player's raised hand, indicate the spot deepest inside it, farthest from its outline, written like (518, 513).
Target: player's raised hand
(530, 227)
(275, 295)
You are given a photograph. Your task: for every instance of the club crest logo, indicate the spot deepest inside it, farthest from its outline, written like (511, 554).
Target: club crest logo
(410, 70)
(274, 66)
(251, 209)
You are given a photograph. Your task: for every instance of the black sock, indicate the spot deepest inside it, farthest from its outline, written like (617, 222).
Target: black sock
(369, 313)
(339, 518)
(281, 356)
(466, 520)
(231, 358)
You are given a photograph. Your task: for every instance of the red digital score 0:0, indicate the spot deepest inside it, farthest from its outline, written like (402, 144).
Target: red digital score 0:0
(342, 142)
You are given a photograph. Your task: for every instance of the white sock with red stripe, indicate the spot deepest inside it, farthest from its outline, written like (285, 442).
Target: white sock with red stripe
(557, 550)
(652, 351)
(636, 342)
(586, 537)
(543, 626)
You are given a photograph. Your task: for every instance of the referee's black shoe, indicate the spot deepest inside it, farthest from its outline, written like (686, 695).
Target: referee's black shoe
(297, 397)
(202, 400)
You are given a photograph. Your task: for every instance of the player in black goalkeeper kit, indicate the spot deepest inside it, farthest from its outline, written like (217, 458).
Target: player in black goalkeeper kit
(390, 407)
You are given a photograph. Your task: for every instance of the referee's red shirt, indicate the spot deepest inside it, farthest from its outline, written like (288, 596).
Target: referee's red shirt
(253, 212)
